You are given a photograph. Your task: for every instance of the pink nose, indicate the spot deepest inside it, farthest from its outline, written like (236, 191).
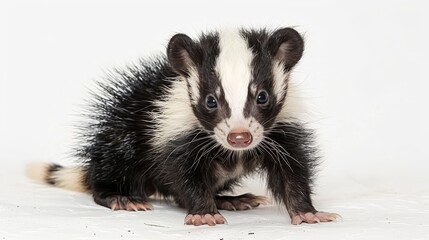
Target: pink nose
(239, 138)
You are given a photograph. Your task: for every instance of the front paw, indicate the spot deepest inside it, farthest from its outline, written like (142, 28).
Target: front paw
(201, 219)
(317, 217)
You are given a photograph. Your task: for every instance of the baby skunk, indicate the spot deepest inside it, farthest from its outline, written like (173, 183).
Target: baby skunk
(191, 125)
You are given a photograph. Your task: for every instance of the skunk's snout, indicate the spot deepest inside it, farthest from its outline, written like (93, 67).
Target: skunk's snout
(239, 138)
(239, 135)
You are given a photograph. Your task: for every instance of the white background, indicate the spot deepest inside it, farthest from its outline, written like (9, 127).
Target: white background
(364, 76)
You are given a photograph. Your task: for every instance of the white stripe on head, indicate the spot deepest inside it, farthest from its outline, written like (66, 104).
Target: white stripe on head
(280, 79)
(234, 68)
(194, 83)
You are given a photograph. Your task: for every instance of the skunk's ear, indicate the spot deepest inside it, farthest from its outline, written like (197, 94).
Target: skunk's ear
(183, 54)
(286, 46)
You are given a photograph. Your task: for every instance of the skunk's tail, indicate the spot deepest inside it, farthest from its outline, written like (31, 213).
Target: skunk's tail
(71, 178)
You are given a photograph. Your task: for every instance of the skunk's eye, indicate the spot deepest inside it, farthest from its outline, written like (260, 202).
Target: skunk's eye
(262, 97)
(211, 102)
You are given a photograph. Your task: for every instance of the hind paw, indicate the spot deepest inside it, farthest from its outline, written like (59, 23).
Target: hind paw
(118, 202)
(125, 203)
(314, 217)
(201, 219)
(242, 202)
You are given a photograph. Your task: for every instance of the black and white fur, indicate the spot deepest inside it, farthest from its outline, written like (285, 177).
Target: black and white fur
(154, 129)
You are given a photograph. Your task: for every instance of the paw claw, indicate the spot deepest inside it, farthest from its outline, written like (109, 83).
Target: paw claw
(188, 219)
(209, 220)
(297, 219)
(131, 207)
(197, 221)
(114, 206)
(220, 219)
(227, 205)
(247, 206)
(310, 218)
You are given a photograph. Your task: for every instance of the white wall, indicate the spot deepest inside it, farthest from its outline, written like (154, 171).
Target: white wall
(364, 72)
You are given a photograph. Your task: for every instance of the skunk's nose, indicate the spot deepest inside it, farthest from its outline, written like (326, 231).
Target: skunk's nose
(239, 138)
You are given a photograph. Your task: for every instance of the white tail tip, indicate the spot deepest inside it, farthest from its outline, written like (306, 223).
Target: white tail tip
(37, 171)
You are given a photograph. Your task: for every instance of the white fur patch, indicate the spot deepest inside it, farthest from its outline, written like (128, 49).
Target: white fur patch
(218, 92)
(37, 171)
(194, 84)
(223, 175)
(293, 108)
(70, 179)
(176, 115)
(253, 89)
(280, 79)
(234, 68)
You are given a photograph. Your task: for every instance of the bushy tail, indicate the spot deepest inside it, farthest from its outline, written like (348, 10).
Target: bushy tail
(71, 178)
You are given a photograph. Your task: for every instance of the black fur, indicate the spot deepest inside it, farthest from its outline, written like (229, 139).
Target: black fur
(120, 161)
(51, 169)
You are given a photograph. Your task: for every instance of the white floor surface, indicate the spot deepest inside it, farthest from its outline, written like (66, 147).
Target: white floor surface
(33, 211)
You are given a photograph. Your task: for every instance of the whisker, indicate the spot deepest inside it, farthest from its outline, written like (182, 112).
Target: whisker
(269, 120)
(268, 150)
(281, 149)
(281, 156)
(198, 159)
(188, 143)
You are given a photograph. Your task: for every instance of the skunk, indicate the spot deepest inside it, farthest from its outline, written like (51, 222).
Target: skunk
(190, 125)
